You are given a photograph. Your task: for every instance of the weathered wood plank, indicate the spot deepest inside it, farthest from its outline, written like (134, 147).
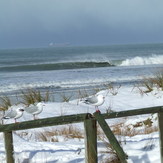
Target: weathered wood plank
(112, 139)
(8, 138)
(160, 124)
(90, 141)
(134, 112)
(44, 122)
(75, 119)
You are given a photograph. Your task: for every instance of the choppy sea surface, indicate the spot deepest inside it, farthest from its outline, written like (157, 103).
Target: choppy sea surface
(63, 69)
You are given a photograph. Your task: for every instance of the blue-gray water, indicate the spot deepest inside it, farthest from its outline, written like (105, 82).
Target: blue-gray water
(72, 68)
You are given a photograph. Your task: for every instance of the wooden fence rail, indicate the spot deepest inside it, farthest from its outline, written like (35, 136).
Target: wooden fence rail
(90, 130)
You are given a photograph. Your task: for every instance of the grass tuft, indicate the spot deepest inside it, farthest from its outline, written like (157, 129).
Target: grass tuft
(66, 98)
(152, 82)
(113, 89)
(32, 96)
(67, 132)
(5, 103)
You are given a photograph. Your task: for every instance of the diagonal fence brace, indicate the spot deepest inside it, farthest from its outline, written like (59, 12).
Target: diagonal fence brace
(109, 134)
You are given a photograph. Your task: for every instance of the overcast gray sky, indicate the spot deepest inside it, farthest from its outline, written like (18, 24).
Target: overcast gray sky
(35, 23)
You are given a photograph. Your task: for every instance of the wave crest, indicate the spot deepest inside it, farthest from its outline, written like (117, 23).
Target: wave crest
(56, 66)
(155, 59)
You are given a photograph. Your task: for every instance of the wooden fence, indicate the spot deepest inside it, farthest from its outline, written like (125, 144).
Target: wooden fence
(90, 130)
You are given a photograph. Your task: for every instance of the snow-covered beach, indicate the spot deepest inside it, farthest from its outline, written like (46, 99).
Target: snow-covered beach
(67, 71)
(139, 147)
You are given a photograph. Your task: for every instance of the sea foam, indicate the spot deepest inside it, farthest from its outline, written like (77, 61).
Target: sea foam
(71, 84)
(154, 59)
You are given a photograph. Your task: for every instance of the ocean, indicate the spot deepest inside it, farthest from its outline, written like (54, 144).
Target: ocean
(70, 69)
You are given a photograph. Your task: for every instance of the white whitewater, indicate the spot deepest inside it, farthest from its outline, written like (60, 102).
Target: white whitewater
(154, 59)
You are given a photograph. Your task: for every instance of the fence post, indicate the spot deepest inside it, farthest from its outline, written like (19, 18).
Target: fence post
(160, 124)
(90, 140)
(8, 139)
(112, 139)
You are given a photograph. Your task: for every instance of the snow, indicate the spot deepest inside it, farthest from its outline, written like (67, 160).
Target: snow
(141, 148)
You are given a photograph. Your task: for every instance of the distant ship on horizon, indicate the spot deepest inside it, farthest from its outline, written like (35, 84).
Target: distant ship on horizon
(59, 44)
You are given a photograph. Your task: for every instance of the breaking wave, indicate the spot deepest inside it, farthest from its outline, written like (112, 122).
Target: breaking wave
(136, 61)
(155, 59)
(55, 66)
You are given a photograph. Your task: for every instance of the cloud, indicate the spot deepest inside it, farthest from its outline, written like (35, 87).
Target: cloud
(74, 19)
